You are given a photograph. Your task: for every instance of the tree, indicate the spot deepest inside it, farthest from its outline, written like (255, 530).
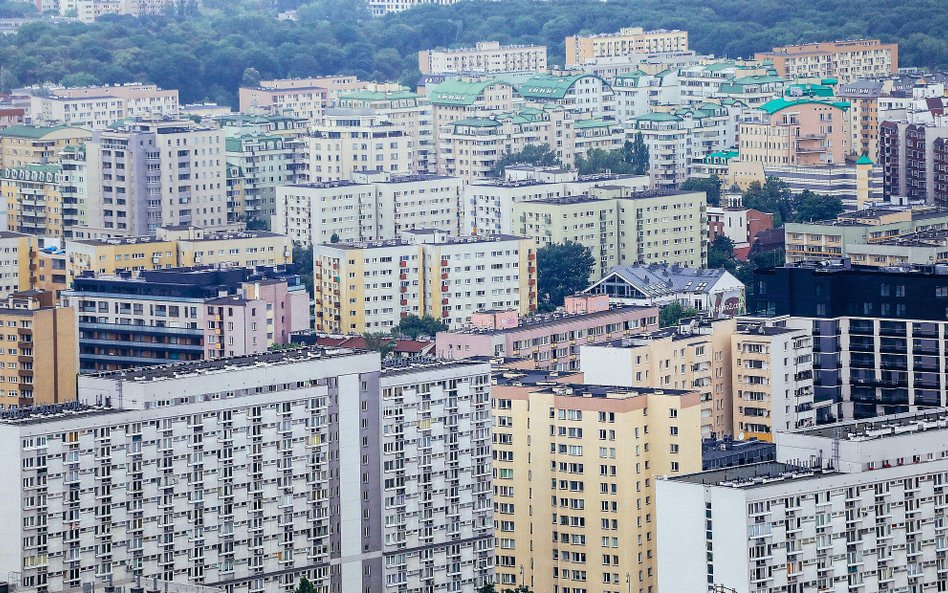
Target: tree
(519, 589)
(672, 313)
(79, 79)
(540, 155)
(711, 186)
(255, 224)
(773, 196)
(598, 160)
(812, 207)
(562, 269)
(303, 260)
(413, 326)
(488, 588)
(305, 586)
(334, 238)
(721, 254)
(379, 342)
(635, 153)
(250, 78)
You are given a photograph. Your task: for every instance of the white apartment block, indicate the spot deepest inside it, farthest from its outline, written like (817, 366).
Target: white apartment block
(486, 57)
(381, 7)
(155, 173)
(375, 208)
(247, 473)
(637, 93)
(93, 112)
(347, 141)
(856, 506)
(408, 112)
(140, 100)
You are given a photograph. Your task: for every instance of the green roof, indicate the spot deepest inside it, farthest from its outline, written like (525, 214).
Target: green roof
(549, 86)
(585, 124)
(459, 92)
(811, 90)
(379, 96)
(864, 160)
(634, 74)
(658, 116)
(723, 154)
(721, 66)
(779, 104)
(24, 131)
(477, 122)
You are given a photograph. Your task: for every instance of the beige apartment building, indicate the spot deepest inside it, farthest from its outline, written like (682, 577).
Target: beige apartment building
(621, 226)
(304, 97)
(470, 147)
(574, 471)
(629, 41)
(486, 57)
(94, 112)
(843, 60)
(139, 100)
(346, 141)
(796, 132)
(370, 286)
(408, 112)
(755, 377)
(40, 362)
(24, 145)
(17, 251)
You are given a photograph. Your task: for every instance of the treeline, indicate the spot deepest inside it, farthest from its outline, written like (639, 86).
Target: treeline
(205, 55)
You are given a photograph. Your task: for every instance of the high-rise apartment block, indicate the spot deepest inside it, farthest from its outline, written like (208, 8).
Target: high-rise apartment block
(912, 157)
(22, 145)
(377, 207)
(184, 314)
(850, 506)
(796, 132)
(486, 57)
(345, 141)
(98, 106)
(408, 112)
(620, 226)
(876, 332)
(629, 41)
(370, 286)
(17, 252)
(245, 474)
(845, 61)
(39, 362)
(153, 173)
(575, 466)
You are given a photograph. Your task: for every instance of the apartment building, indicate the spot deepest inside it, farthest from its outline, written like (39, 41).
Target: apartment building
(677, 139)
(184, 314)
(851, 505)
(555, 437)
(854, 231)
(486, 57)
(40, 361)
(377, 208)
(546, 340)
(22, 145)
(912, 157)
(16, 257)
(308, 417)
(845, 61)
(153, 173)
(629, 41)
(138, 100)
(582, 95)
(488, 203)
(470, 147)
(309, 101)
(639, 93)
(383, 7)
(620, 226)
(33, 199)
(875, 331)
(863, 98)
(408, 112)
(858, 185)
(94, 111)
(753, 91)
(712, 292)
(598, 134)
(346, 141)
(796, 131)
(265, 161)
(359, 288)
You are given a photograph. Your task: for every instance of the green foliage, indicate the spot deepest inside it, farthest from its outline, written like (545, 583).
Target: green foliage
(305, 586)
(303, 259)
(205, 54)
(631, 159)
(379, 342)
(250, 78)
(413, 326)
(709, 185)
(255, 224)
(721, 254)
(774, 196)
(540, 155)
(811, 207)
(562, 269)
(79, 79)
(334, 238)
(488, 588)
(672, 313)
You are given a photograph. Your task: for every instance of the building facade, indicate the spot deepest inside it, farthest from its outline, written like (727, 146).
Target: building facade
(796, 132)
(845, 61)
(629, 41)
(486, 57)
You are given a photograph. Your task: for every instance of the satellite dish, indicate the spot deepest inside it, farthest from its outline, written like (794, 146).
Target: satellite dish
(740, 436)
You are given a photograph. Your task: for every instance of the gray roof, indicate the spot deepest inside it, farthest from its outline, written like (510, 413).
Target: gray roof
(658, 280)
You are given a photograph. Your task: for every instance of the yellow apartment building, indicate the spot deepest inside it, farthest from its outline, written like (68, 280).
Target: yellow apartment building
(629, 41)
(17, 252)
(34, 199)
(574, 479)
(24, 145)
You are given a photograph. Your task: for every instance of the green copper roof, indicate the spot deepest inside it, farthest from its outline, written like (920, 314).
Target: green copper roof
(658, 116)
(23, 131)
(634, 74)
(459, 92)
(811, 90)
(722, 155)
(864, 160)
(779, 104)
(379, 96)
(477, 122)
(585, 124)
(717, 66)
(549, 86)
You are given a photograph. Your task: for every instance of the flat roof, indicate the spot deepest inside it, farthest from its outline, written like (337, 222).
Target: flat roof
(882, 426)
(51, 413)
(552, 319)
(218, 365)
(396, 367)
(752, 476)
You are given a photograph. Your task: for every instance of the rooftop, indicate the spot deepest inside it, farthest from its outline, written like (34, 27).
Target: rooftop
(50, 413)
(549, 320)
(883, 426)
(780, 104)
(24, 131)
(550, 86)
(182, 370)
(459, 92)
(660, 279)
(752, 476)
(404, 366)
